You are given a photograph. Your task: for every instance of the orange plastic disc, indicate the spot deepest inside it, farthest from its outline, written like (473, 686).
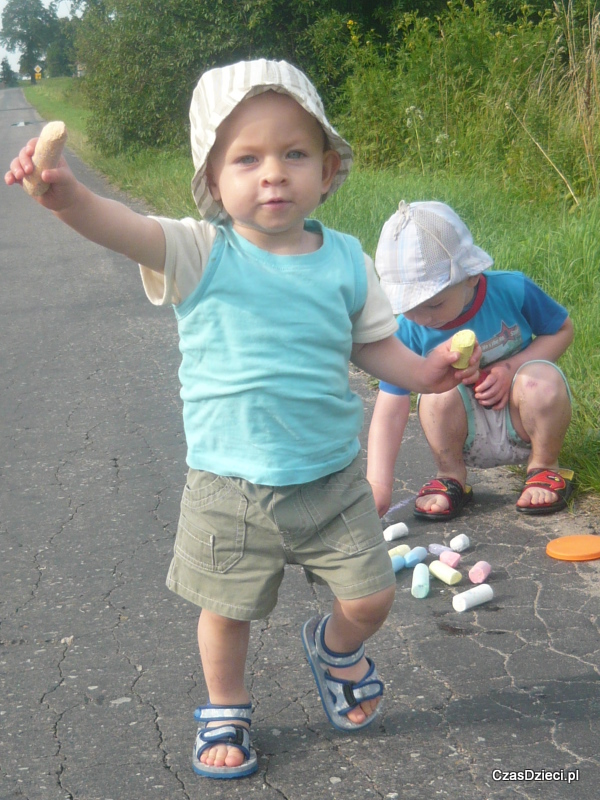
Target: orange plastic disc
(583, 547)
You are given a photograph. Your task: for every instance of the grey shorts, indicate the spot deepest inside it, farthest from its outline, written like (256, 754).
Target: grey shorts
(235, 538)
(492, 440)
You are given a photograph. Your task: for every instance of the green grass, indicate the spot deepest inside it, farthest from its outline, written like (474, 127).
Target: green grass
(554, 244)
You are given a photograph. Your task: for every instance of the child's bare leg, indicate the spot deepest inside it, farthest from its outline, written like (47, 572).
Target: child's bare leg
(444, 422)
(351, 623)
(223, 647)
(541, 412)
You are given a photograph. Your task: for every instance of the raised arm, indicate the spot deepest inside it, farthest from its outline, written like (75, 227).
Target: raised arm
(106, 222)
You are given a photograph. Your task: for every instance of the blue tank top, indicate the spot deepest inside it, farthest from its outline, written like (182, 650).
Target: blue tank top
(266, 341)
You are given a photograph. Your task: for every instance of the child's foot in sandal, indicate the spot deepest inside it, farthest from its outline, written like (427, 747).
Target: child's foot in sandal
(348, 683)
(545, 491)
(444, 499)
(222, 748)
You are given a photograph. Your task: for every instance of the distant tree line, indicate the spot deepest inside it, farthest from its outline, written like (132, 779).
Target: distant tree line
(42, 38)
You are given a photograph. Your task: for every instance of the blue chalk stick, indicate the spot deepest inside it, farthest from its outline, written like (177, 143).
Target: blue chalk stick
(398, 563)
(415, 556)
(420, 581)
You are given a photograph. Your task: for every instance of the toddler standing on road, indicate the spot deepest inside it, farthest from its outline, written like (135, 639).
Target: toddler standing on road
(271, 307)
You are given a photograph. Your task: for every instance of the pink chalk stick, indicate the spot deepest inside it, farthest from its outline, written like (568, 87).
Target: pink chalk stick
(479, 572)
(450, 557)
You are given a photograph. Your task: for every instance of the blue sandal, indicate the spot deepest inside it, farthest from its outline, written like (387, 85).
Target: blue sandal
(339, 696)
(229, 734)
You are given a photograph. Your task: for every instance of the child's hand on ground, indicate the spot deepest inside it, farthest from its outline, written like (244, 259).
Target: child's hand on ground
(63, 184)
(494, 391)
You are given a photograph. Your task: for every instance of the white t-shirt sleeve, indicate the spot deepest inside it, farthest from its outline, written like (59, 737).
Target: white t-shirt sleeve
(376, 320)
(188, 243)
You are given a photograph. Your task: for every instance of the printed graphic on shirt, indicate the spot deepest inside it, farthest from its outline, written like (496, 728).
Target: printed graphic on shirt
(506, 342)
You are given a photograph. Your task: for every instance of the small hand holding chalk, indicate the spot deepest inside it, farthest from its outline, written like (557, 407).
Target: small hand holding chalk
(48, 151)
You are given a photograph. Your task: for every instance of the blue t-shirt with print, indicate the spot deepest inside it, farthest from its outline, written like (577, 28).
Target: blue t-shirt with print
(508, 311)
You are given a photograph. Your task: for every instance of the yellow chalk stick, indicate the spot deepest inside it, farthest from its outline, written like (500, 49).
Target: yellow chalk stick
(463, 342)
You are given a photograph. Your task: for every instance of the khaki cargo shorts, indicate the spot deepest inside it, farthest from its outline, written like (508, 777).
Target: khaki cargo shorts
(235, 538)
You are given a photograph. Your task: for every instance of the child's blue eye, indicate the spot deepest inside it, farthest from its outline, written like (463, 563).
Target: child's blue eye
(295, 154)
(246, 160)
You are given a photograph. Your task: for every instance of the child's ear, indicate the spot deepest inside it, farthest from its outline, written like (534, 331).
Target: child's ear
(331, 164)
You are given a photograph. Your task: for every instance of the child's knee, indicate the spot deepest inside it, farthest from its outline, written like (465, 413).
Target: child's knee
(372, 609)
(540, 385)
(445, 404)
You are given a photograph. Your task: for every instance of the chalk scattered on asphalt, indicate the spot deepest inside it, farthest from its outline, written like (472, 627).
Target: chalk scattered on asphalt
(472, 597)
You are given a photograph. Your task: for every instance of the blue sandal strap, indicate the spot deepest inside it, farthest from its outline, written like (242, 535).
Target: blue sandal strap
(330, 658)
(232, 735)
(219, 713)
(347, 694)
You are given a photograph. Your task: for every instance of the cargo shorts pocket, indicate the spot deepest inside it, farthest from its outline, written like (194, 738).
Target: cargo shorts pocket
(344, 511)
(212, 524)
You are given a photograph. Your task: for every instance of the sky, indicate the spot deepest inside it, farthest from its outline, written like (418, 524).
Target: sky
(13, 58)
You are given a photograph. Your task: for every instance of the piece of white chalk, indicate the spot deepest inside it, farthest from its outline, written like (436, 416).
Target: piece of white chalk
(460, 542)
(472, 597)
(445, 573)
(420, 581)
(450, 557)
(398, 563)
(396, 531)
(399, 550)
(480, 572)
(415, 556)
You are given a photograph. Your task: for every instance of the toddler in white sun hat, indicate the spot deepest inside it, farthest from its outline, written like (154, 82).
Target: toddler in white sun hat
(271, 306)
(438, 282)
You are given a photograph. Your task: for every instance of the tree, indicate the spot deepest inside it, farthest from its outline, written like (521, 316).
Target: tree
(29, 26)
(7, 76)
(60, 56)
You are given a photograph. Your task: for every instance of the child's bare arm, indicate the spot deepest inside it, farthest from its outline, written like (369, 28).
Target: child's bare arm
(106, 222)
(386, 431)
(391, 361)
(114, 225)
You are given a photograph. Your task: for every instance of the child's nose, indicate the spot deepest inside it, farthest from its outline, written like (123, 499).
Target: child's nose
(418, 317)
(273, 171)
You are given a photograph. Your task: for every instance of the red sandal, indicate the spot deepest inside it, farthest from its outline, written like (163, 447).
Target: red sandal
(453, 490)
(559, 481)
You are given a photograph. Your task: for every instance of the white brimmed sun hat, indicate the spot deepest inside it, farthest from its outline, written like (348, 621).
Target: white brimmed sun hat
(220, 90)
(424, 248)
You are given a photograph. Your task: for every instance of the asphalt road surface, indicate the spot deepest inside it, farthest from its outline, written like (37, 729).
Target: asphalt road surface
(99, 668)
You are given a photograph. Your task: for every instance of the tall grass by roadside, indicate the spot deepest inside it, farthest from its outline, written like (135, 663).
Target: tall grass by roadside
(471, 94)
(554, 243)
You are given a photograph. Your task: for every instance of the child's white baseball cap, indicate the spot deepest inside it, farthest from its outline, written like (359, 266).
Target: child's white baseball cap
(424, 248)
(220, 90)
